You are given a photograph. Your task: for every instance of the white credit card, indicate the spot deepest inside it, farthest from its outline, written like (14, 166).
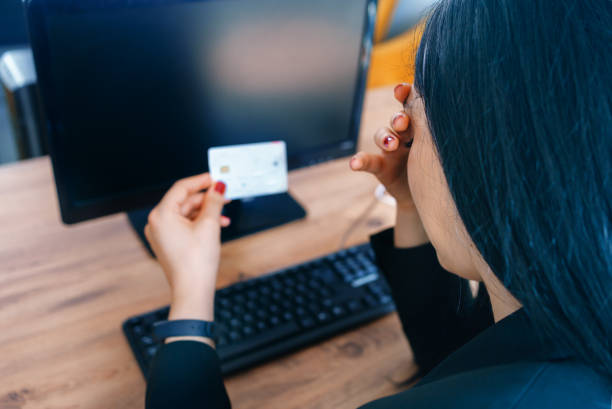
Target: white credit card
(253, 169)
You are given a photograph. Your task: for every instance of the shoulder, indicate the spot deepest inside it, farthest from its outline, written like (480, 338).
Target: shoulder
(526, 385)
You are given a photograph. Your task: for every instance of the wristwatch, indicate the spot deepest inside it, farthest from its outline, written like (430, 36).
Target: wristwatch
(184, 328)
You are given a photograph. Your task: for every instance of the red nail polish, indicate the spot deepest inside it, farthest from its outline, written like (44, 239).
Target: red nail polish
(220, 187)
(387, 141)
(397, 87)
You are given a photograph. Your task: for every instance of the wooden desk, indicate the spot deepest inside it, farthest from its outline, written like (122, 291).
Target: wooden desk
(64, 292)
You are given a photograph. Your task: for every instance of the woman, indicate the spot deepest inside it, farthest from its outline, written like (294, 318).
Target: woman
(500, 165)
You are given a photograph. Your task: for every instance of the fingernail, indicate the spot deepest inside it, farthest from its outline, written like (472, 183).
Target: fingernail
(398, 86)
(387, 141)
(355, 162)
(395, 118)
(220, 187)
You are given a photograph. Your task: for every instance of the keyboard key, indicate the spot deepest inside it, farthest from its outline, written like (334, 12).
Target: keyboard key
(370, 301)
(326, 275)
(385, 299)
(325, 292)
(314, 284)
(222, 327)
(307, 322)
(323, 316)
(151, 351)
(314, 308)
(338, 311)
(354, 305)
(234, 336)
(262, 339)
(224, 314)
(147, 340)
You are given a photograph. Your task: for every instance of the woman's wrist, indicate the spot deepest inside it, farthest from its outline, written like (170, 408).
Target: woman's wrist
(409, 231)
(192, 308)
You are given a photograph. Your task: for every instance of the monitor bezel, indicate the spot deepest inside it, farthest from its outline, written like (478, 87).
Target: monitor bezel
(76, 211)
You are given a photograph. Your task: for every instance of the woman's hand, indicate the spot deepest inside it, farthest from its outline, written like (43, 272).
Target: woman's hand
(184, 233)
(390, 167)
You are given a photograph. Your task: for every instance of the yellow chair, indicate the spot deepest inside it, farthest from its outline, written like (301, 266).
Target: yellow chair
(392, 60)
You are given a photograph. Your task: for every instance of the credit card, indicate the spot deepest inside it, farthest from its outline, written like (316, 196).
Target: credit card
(249, 170)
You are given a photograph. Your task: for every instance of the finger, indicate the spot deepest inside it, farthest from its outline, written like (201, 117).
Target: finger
(401, 92)
(191, 204)
(182, 189)
(400, 121)
(213, 203)
(225, 221)
(389, 141)
(367, 162)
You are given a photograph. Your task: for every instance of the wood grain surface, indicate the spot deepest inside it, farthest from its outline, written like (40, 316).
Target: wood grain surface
(65, 290)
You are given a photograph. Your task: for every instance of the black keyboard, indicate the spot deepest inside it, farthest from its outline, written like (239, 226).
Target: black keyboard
(271, 315)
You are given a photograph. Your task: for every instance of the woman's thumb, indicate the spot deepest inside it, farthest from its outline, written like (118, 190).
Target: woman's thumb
(213, 203)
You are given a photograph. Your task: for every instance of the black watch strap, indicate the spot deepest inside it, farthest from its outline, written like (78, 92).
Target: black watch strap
(184, 328)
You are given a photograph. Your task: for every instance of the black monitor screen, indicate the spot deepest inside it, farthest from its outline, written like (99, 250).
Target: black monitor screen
(136, 95)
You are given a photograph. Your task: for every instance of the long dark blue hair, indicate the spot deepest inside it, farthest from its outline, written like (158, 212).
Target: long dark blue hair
(518, 96)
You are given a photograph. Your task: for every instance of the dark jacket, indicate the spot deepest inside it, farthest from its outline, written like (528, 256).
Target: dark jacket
(467, 360)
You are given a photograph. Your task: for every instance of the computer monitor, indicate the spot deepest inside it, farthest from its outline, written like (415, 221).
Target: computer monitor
(12, 24)
(136, 91)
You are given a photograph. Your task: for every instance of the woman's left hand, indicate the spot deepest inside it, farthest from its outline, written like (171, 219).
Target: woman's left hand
(184, 232)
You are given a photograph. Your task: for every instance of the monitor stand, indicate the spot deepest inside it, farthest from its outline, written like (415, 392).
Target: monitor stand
(248, 216)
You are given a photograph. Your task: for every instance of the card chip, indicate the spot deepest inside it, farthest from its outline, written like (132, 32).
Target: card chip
(225, 169)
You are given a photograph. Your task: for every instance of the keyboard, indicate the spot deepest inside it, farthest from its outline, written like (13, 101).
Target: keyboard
(268, 316)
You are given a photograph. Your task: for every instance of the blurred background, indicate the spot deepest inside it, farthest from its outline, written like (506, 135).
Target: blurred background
(397, 35)
(12, 35)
